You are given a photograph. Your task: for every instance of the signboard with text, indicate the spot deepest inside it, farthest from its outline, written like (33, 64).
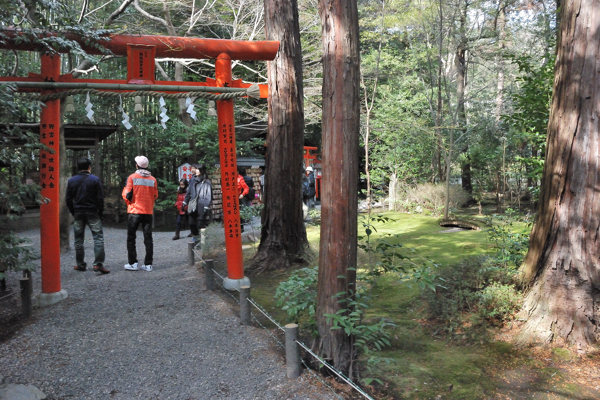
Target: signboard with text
(184, 171)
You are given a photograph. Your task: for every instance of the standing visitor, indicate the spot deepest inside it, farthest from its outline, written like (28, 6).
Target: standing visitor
(250, 196)
(243, 190)
(310, 202)
(262, 184)
(181, 192)
(198, 200)
(85, 200)
(139, 194)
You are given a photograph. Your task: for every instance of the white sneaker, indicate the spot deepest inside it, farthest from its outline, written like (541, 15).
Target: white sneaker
(146, 267)
(131, 267)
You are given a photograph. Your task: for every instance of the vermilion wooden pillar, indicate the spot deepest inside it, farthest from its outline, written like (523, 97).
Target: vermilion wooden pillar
(229, 187)
(49, 180)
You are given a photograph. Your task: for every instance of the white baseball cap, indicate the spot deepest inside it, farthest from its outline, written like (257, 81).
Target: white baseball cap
(309, 169)
(142, 161)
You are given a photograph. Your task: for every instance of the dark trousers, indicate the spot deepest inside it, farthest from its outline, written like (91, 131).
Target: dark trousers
(133, 222)
(180, 219)
(199, 221)
(93, 221)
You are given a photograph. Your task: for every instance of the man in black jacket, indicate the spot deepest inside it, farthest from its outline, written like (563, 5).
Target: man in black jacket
(85, 200)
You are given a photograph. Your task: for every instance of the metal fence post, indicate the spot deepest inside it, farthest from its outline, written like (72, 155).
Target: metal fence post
(245, 316)
(292, 353)
(191, 260)
(25, 297)
(209, 274)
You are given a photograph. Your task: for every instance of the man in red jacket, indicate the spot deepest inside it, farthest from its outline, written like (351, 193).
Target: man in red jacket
(139, 194)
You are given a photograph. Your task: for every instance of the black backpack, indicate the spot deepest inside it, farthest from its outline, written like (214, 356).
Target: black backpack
(305, 188)
(251, 192)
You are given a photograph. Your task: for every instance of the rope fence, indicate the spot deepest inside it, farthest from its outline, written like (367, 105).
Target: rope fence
(25, 293)
(290, 350)
(9, 295)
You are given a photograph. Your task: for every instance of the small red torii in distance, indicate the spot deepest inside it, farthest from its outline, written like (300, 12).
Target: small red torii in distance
(140, 52)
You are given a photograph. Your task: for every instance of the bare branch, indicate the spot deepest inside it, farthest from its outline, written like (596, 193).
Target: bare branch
(83, 8)
(195, 15)
(16, 66)
(86, 71)
(117, 12)
(161, 70)
(99, 8)
(146, 14)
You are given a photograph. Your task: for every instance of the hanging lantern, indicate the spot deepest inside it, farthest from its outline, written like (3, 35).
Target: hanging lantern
(69, 106)
(138, 104)
(211, 109)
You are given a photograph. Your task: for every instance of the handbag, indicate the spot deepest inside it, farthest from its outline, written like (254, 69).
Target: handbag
(192, 205)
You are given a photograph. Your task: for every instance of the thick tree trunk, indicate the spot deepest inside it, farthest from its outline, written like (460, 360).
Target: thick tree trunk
(562, 263)
(341, 119)
(460, 63)
(283, 235)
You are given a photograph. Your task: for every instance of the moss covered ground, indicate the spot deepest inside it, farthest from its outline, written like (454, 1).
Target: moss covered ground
(428, 364)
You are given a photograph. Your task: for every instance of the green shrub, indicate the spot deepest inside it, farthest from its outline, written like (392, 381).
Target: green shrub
(476, 291)
(511, 245)
(499, 301)
(298, 296)
(314, 217)
(213, 240)
(429, 198)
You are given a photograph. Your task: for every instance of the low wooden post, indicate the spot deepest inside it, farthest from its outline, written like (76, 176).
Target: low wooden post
(292, 354)
(245, 315)
(209, 274)
(191, 260)
(27, 274)
(25, 297)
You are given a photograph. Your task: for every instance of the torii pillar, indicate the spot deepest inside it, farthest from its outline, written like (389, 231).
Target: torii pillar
(49, 181)
(229, 189)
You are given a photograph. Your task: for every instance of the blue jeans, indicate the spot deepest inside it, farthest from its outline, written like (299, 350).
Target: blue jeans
(133, 222)
(93, 221)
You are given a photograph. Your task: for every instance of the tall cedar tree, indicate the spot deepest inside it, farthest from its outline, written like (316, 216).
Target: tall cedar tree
(341, 121)
(283, 235)
(563, 265)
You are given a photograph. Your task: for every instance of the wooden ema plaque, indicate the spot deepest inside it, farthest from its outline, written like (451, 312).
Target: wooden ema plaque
(140, 64)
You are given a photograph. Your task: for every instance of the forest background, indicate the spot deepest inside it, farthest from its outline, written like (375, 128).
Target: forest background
(453, 92)
(469, 80)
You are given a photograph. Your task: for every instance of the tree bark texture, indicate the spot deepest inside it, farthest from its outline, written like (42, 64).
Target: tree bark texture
(283, 235)
(339, 200)
(460, 63)
(562, 264)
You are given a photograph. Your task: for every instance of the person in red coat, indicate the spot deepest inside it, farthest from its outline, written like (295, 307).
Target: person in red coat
(183, 185)
(243, 190)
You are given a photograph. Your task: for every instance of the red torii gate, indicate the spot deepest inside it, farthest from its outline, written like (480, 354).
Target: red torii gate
(140, 52)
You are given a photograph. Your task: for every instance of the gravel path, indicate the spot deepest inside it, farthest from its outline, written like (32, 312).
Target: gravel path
(145, 335)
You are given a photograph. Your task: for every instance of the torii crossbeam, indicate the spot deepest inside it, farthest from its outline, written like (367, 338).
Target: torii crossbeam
(140, 52)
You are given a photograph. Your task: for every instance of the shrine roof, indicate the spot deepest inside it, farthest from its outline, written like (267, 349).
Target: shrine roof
(77, 136)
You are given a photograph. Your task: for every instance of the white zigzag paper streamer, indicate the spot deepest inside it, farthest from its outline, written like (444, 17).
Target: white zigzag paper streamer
(163, 113)
(190, 108)
(125, 121)
(88, 108)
